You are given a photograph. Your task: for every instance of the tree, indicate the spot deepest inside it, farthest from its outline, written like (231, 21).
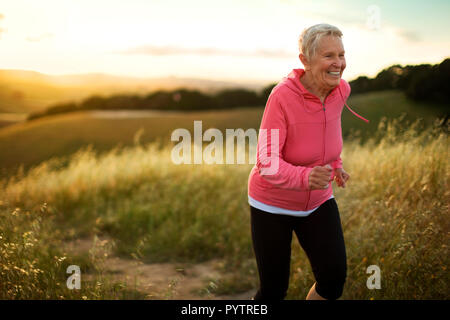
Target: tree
(231, 98)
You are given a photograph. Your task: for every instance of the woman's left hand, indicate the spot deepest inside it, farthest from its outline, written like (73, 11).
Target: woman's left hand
(341, 177)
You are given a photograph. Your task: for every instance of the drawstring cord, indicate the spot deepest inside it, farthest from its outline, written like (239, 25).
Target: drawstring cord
(351, 109)
(345, 103)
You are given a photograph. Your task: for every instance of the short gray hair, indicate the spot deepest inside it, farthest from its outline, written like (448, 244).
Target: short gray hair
(307, 43)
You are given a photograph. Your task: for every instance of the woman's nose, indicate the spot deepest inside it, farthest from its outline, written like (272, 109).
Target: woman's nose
(337, 63)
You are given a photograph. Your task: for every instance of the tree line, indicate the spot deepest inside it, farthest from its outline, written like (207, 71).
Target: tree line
(419, 82)
(424, 82)
(179, 99)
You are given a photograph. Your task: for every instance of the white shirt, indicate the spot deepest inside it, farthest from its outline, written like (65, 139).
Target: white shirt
(272, 209)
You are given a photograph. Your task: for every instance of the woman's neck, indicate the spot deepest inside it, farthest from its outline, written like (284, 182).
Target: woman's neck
(310, 85)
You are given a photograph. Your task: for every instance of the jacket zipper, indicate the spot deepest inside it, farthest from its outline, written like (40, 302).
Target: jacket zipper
(323, 146)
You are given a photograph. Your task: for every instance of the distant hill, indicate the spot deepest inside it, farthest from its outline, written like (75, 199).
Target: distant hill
(29, 143)
(29, 91)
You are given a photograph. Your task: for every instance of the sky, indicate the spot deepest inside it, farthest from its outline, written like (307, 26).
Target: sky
(218, 40)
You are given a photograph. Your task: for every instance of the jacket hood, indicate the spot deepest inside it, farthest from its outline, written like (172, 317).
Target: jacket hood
(292, 81)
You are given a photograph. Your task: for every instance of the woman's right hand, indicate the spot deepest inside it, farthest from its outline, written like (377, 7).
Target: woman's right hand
(320, 177)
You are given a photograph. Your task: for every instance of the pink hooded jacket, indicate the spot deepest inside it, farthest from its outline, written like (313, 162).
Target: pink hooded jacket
(309, 135)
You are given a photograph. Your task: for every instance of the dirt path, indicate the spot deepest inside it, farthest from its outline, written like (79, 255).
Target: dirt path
(156, 280)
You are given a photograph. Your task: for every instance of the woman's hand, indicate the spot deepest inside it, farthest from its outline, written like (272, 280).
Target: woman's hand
(341, 177)
(320, 177)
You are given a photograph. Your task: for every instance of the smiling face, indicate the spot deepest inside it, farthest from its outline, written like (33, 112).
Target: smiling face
(327, 64)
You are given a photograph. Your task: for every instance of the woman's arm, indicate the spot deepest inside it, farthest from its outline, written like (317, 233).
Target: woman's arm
(272, 136)
(341, 177)
(337, 163)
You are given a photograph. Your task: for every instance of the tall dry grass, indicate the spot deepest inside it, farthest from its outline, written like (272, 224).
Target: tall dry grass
(394, 213)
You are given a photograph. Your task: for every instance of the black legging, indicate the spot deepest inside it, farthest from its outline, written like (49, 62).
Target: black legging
(319, 234)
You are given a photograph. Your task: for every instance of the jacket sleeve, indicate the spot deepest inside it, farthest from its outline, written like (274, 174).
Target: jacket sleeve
(270, 163)
(337, 163)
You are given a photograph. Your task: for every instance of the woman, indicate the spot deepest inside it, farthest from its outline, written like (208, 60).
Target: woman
(301, 137)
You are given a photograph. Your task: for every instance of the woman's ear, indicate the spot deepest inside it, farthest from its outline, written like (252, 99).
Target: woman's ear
(304, 61)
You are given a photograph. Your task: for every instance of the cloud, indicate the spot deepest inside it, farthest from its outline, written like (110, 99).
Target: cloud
(175, 50)
(409, 35)
(40, 37)
(350, 18)
(1, 29)
(361, 19)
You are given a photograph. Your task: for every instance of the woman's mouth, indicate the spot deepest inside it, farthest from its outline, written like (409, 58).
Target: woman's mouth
(334, 73)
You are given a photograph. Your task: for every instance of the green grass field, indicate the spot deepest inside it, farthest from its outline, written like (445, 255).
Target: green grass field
(30, 143)
(394, 213)
(113, 177)
(59, 136)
